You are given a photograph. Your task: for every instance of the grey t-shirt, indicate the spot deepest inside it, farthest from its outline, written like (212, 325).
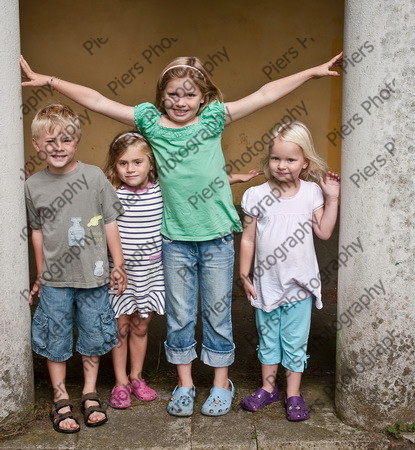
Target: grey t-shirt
(72, 210)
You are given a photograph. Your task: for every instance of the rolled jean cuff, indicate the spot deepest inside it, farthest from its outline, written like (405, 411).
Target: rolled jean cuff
(182, 356)
(214, 358)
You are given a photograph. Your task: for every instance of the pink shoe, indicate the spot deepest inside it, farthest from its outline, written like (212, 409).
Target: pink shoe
(140, 389)
(121, 397)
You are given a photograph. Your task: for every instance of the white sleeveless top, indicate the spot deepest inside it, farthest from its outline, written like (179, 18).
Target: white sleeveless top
(286, 268)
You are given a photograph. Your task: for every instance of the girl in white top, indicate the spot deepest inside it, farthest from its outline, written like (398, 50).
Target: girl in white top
(281, 216)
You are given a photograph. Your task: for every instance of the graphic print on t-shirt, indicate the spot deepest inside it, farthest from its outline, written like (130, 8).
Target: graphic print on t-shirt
(99, 268)
(76, 233)
(94, 222)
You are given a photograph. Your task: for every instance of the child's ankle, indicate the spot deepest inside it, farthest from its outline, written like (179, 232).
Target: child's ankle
(268, 387)
(125, 382)
(135, 376)
(61, 395)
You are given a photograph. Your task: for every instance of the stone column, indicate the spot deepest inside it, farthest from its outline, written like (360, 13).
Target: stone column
(375, 377)
(16, 379)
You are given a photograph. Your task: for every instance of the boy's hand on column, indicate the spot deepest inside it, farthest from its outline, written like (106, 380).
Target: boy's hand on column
(34, 291)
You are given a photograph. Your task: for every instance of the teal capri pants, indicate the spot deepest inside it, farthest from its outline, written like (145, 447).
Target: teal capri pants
(283, 334)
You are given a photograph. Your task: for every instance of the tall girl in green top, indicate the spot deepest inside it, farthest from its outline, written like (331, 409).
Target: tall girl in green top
(184, 128)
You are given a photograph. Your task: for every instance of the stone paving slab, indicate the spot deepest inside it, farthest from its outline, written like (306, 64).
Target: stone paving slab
(148, 426)
(236, 432)
(321, 431)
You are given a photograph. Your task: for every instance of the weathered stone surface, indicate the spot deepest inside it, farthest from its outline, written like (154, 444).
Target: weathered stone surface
(16, 378)
(375, 380)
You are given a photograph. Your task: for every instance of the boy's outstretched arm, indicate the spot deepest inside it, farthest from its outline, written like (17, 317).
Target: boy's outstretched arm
(85, 96)
(271, 92)
(324, 219)
(118, 275)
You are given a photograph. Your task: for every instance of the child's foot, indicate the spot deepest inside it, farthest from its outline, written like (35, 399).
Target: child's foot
(182, 401)
(219, 401)
(259, 399)
(121, 397)
(94, 414)
(62, 419)
(140, 389)
(296, 409)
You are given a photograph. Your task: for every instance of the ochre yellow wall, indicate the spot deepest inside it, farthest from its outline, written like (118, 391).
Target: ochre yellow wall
(58, 39)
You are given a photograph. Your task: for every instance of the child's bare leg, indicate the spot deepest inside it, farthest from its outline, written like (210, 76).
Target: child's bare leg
(221, 377)
(184, 372)
(119, 353)
(138, 344)
(269, 375)
(57, 373)
(91, 365)
(293, 383)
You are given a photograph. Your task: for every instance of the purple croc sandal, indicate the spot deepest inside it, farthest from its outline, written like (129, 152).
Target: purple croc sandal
(296, 408)
(259, 399)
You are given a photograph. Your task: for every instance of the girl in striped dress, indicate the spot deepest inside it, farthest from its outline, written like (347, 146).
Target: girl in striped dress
(131, 170)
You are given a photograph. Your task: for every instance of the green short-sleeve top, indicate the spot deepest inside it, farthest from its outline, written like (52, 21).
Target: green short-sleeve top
(197, 197)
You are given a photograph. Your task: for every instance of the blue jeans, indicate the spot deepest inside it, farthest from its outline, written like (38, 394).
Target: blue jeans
(188, 266)
(52, 329)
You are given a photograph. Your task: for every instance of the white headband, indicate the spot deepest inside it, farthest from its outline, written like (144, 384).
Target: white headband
(130, 133)
(182, 65)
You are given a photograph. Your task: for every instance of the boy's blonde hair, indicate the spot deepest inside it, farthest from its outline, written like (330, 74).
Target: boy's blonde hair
(298, 133)
(118, 147)
(56, 115)
(196, 72)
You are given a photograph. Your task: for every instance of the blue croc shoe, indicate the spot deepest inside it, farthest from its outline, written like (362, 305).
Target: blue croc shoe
(181, 402)
(219, 401)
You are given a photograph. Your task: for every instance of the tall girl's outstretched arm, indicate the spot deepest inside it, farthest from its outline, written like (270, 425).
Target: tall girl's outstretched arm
(87, 97)
(271, 92)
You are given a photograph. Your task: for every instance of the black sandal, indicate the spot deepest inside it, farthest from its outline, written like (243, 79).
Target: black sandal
(91, 409)
(56, 417)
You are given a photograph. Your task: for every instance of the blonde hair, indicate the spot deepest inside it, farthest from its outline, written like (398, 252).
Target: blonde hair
(118, 147)
(56, 115)
(298, 133)
(195, 71)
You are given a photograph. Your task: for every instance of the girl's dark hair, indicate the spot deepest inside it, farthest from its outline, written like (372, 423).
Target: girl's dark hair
(117, 148)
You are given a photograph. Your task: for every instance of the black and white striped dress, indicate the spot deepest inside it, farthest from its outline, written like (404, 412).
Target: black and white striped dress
(141, 243)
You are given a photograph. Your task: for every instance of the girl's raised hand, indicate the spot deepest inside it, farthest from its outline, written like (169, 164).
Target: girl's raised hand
(331, 187)
(326, 69)
(36, 79)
